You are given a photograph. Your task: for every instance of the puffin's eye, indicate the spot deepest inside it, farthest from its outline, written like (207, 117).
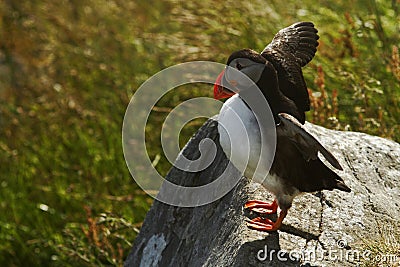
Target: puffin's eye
(238, 66)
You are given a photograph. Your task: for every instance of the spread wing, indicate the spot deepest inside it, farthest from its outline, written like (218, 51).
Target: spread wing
(292, 48)
(299, 40)
(305, 142)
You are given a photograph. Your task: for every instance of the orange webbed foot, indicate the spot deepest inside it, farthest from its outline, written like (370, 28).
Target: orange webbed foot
(262, 207)
(266, 225)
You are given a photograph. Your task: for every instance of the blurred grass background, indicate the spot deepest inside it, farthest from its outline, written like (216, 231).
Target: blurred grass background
(68, 69)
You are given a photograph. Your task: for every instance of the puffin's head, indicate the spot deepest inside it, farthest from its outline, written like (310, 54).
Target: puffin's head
(231, 80)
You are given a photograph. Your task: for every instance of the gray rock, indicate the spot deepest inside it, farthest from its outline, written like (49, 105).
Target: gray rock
(321, 229)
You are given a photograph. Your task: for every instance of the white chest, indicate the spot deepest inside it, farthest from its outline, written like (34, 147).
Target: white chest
(240, 137)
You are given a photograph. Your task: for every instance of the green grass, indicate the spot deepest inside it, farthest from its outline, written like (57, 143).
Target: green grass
(69, 68)
(384, 249)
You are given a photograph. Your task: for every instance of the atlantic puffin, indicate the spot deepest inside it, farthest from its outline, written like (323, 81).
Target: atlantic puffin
(277, 72)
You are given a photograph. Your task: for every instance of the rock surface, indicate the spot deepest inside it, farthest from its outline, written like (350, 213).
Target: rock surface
(322, 229)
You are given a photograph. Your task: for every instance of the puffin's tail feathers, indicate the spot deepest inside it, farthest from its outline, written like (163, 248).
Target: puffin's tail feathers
(342, 186)
(330, 179)
(322, 178)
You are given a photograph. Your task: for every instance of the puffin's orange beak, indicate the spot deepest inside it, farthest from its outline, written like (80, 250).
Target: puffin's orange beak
(221, 92)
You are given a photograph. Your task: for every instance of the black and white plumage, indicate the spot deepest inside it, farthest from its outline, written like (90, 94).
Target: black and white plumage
(277, 72)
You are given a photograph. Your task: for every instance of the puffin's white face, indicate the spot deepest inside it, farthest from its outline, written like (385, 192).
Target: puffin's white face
(251, 69)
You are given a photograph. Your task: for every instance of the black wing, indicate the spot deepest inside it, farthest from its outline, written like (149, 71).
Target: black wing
(292, 48)
(304, 141)
(311, 174)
